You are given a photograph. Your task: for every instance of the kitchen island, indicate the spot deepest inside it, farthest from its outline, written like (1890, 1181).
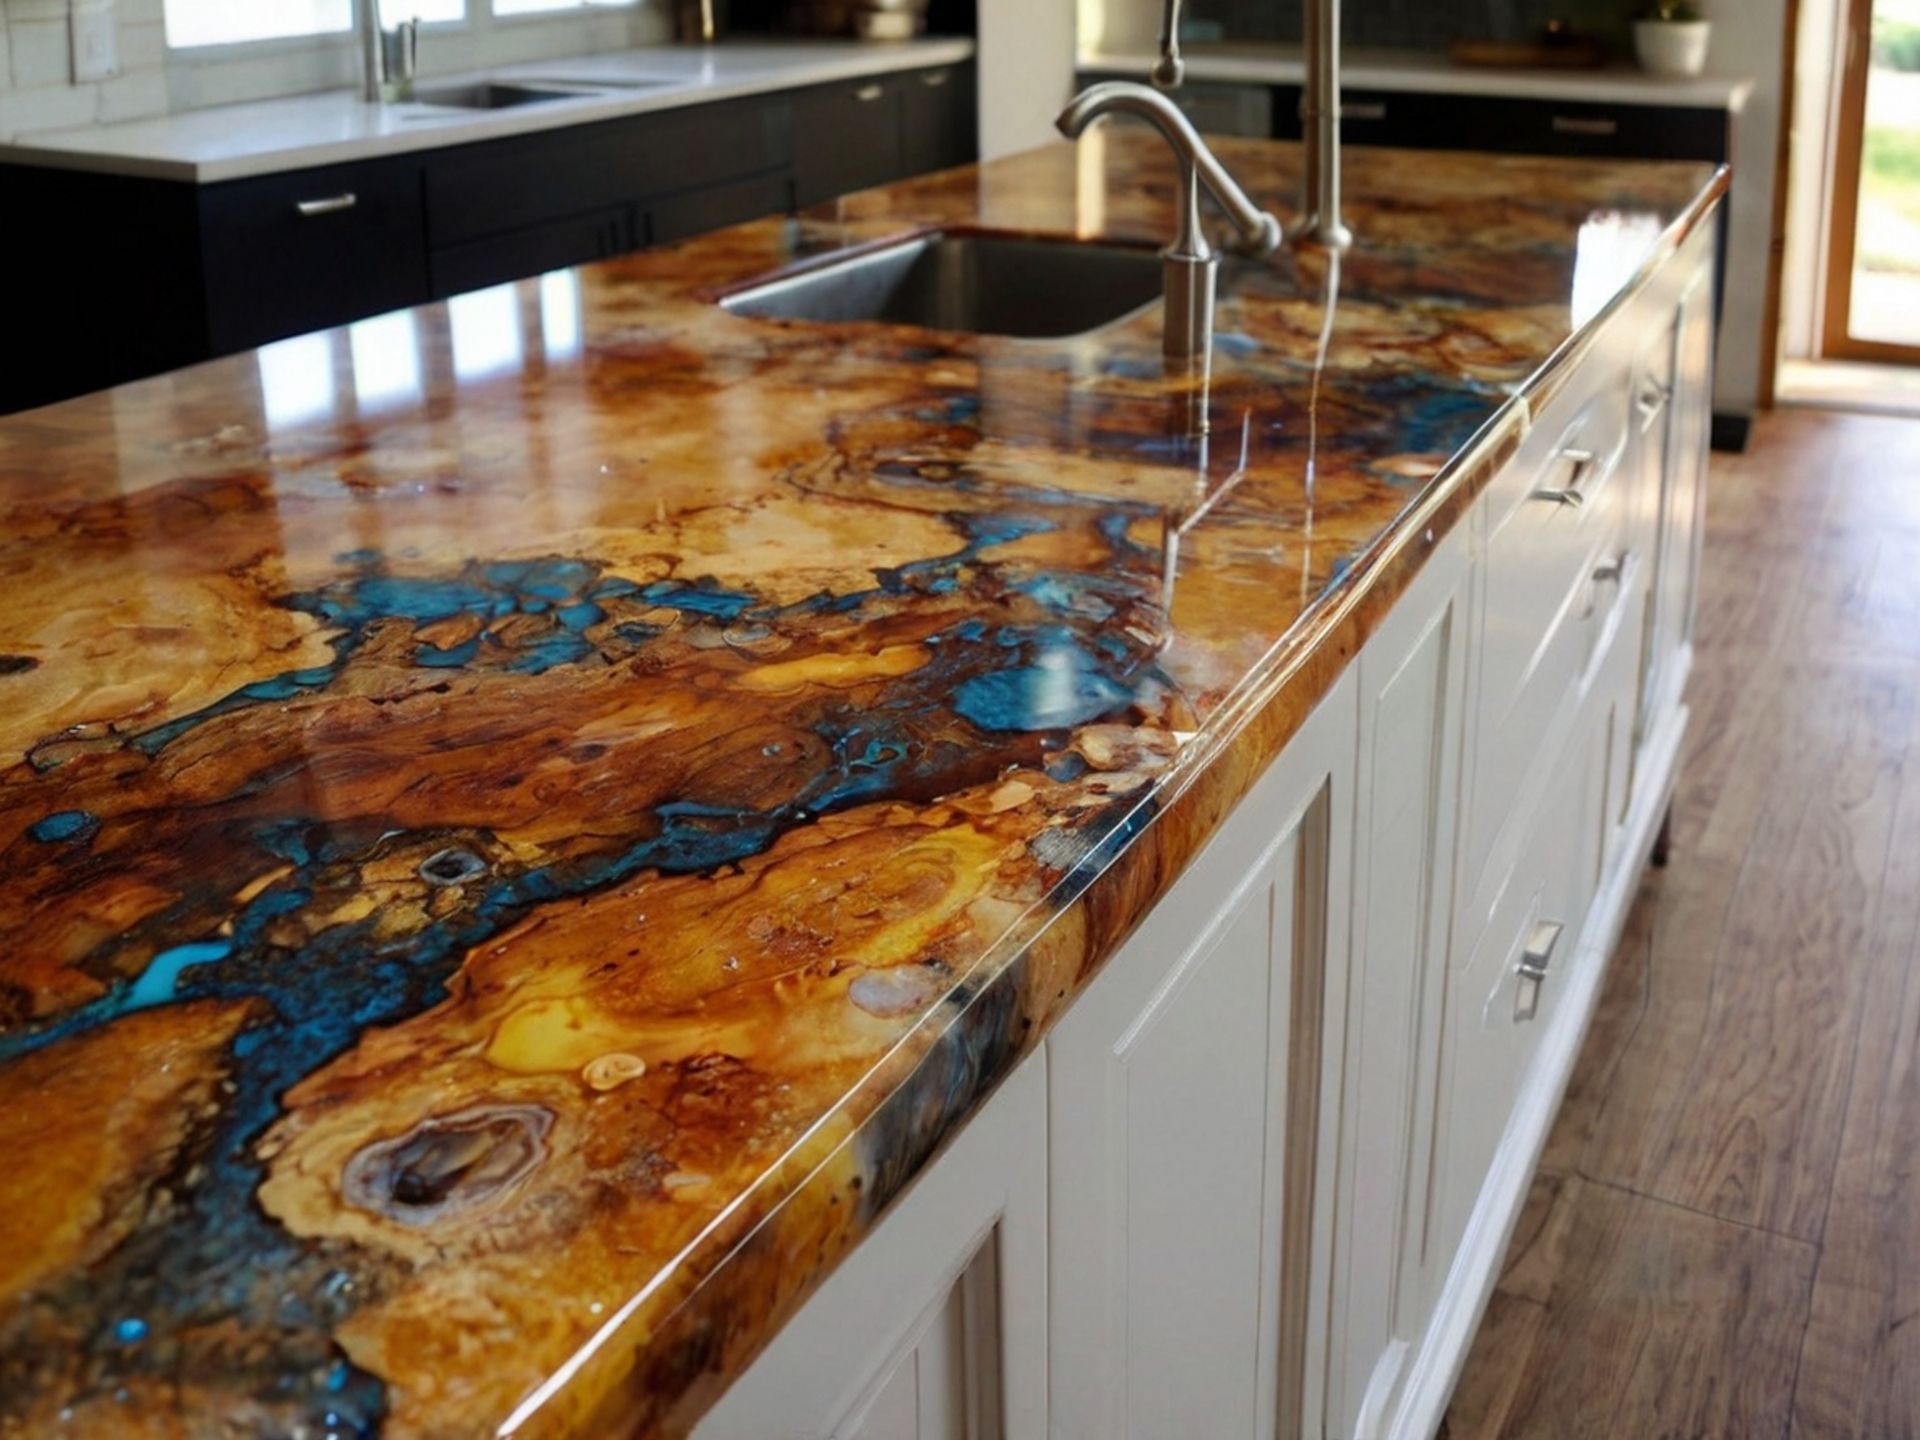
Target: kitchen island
(530, 821)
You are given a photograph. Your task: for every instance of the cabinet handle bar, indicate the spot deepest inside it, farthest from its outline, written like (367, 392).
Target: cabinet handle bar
(330, 205)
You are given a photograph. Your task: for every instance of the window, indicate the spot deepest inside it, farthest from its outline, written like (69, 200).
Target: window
(536, 7)
(228, 22)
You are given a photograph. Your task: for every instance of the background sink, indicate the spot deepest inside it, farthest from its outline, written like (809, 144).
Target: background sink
(984, 284)
(488, 95)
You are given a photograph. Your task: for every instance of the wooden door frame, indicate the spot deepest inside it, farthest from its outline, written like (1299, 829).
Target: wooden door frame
(1842, 219)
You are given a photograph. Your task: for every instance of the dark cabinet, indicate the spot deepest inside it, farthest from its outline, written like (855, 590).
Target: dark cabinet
(1498, 124)
(938, 121)
(285, 254)
(534, 250)
(846, 137)
(141, 276)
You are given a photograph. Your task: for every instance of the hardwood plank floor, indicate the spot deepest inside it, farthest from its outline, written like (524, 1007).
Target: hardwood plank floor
(1724, 1236)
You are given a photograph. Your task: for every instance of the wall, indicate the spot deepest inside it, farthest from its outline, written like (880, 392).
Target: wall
(1026, 72)
(1749, 38)
(37, 92)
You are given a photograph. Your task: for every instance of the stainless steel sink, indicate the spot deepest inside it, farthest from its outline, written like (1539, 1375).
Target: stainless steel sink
(983, 284)
(488, 95)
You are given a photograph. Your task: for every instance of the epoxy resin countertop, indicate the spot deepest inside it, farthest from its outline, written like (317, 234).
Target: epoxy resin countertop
(524, 823)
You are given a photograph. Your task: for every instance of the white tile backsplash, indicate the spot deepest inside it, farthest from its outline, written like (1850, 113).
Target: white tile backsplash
(40, 52)
(36, 64)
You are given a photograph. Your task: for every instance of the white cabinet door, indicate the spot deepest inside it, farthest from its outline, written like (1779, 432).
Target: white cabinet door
(1183, 1127)
(1412, 676)
(935, 1327)
(1682, 492)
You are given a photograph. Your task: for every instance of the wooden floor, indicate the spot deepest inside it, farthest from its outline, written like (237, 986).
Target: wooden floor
(1724, 1237)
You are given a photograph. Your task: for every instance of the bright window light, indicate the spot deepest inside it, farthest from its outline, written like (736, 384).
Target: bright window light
(537, 7)
(230, 22)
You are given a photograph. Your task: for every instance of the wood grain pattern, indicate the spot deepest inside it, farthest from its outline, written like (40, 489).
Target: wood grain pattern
(1720, 1238)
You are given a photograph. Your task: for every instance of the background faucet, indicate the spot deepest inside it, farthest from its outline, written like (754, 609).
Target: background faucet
(1319, 221)
(389, 59)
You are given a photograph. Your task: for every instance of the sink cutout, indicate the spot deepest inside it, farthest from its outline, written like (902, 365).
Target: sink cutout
(489, 95)
(982, 284)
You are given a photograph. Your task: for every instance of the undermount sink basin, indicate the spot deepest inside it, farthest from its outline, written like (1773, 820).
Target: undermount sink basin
(488, 95)
(982, 284)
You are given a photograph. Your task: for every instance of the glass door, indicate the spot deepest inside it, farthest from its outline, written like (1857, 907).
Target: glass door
(1873, 272)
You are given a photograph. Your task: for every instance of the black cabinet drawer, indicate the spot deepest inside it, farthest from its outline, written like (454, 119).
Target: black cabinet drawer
(1662, 132)
(847, 137)
(938, 125)
(675, 217)
(500, 186)
(535, 250)
(286, 254)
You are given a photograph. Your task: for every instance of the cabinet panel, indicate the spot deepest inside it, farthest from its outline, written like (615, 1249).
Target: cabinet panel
(532, 251)
(287, 254)
(939, 121)
(500, 186)
(847, 137)
(935, 1327)
(1183, 1126)
(1412, 683)
(675, 217)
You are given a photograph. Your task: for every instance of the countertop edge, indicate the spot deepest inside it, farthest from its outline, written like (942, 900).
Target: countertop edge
(1609, 86)
(42, 148)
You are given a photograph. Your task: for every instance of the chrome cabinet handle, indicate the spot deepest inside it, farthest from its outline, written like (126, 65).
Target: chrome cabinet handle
(1570, 494)
(1364, 110)
(1580, 125)
(866, 94)
(1534, 960)
(936, 79)
(1608, 572)
(1653, 399)
(331, 205)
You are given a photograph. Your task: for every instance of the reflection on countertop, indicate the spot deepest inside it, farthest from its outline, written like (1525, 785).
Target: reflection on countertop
(526, 821)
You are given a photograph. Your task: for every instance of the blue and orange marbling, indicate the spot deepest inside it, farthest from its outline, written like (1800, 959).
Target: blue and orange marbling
(522, 825)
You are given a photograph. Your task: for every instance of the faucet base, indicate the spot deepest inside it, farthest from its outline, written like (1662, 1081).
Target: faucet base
(1190, 283)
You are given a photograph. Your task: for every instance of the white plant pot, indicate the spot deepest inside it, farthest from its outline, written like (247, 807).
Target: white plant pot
(1672, 47)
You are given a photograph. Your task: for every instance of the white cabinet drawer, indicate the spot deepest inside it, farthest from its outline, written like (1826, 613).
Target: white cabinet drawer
(1555, 571)
(1509, 989)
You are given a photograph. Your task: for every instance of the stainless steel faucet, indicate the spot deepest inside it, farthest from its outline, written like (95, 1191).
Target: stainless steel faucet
(1191, 264)
(389, 59)
(1190, 261)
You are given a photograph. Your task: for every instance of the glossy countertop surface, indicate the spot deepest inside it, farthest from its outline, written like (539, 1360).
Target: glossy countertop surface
(266, 137)
(524, 823)
(1431, 72)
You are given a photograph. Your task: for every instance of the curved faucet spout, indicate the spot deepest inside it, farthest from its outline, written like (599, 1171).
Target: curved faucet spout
(1260, 232)
(1189, 262)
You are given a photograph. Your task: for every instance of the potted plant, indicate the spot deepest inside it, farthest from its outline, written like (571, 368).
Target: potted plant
(1670, 38)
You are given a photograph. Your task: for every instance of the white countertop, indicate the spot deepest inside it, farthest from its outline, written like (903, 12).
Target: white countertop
(1430, 72)
(231, 142)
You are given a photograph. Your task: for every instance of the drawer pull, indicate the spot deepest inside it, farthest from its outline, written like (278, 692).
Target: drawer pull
(1609, 572)
(936, 79)
(1364, 110)
(1534, 961)
(1653, 400)
(1570, 494)
(1581, 125)
(330, 205)
(867, 94)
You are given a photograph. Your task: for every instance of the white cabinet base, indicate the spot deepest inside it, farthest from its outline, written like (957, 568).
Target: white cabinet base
(1436, 1365)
